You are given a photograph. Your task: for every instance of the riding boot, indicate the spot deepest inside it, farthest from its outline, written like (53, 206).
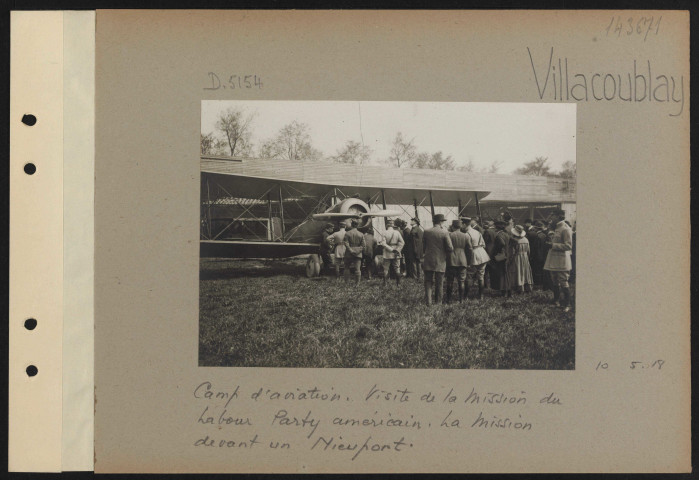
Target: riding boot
(566, 297)
(385, 280)
(428, 296)
(481, 287)
(398, 281)
(556, 294)
(463, 292)
(447, 299)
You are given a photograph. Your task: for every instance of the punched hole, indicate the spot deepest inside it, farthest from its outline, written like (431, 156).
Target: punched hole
(29, 119)
(30, 323)
(29, 169)
(32, 370)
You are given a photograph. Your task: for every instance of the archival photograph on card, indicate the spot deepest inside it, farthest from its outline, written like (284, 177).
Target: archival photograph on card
(387, 235)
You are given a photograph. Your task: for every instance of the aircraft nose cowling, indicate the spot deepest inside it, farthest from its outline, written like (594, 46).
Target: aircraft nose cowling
(355, 205)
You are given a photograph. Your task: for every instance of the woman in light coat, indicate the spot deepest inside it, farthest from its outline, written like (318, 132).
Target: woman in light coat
(519, 269)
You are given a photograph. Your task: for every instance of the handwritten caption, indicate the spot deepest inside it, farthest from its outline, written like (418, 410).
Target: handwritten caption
(373, 421)
(233, 82)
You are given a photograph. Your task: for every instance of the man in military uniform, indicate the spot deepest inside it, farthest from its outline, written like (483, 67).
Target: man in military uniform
(368, 254)
(478, 260)
(436, 245)
(354, 247)
(338, 240)
(392, 244)
(326, 248)
(457, 260)
(416, 244)
(475, 224)
(558, 262)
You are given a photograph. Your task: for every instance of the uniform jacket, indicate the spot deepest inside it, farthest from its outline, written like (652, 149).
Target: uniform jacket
(393, 239)
(338, 239)
(437, 245)
(354, 243)
(462, 250)
(479, 254)
(558, 258)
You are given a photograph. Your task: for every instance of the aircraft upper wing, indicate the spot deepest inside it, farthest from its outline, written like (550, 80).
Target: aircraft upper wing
(252, 178)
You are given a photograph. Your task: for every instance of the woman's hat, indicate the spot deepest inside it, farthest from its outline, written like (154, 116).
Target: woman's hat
(518, 231)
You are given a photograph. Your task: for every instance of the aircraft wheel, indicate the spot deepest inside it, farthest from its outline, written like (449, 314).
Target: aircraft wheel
(313, 266)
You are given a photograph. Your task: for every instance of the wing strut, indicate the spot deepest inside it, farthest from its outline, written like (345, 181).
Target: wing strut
(460, 209)
(415, 205)
(281, 209)
(431, 203)
(270, 234)
(383, 200)
(478, 207)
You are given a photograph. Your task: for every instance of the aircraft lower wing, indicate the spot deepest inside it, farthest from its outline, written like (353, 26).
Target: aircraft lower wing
(345, 215)
(243, 249)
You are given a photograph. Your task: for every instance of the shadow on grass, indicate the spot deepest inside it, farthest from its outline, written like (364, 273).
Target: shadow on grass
(221, 269)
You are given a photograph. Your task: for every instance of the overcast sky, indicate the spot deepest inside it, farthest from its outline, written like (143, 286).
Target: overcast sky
(510, 133)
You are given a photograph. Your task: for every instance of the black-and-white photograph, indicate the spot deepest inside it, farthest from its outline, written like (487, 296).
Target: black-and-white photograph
(364, 234)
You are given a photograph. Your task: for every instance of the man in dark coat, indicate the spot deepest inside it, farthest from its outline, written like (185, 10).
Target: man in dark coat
(408, 252)
(370, 245)
(500, 256)
(489, 237)
(531, 235)
(457, 260)
(437, 245)
(416, 233)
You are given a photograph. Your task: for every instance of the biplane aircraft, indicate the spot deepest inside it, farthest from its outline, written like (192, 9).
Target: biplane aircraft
(277, 209)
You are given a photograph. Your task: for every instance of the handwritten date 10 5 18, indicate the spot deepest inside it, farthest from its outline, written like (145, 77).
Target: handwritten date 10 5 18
(630, 26)
(657, 365)
(234, 81)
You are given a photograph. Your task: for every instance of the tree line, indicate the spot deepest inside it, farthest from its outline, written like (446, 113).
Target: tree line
(233, 137)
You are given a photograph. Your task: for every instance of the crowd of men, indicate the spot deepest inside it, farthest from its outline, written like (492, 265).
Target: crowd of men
(497, 255)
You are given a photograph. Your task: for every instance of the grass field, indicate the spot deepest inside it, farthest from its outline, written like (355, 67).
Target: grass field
(268, 314)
